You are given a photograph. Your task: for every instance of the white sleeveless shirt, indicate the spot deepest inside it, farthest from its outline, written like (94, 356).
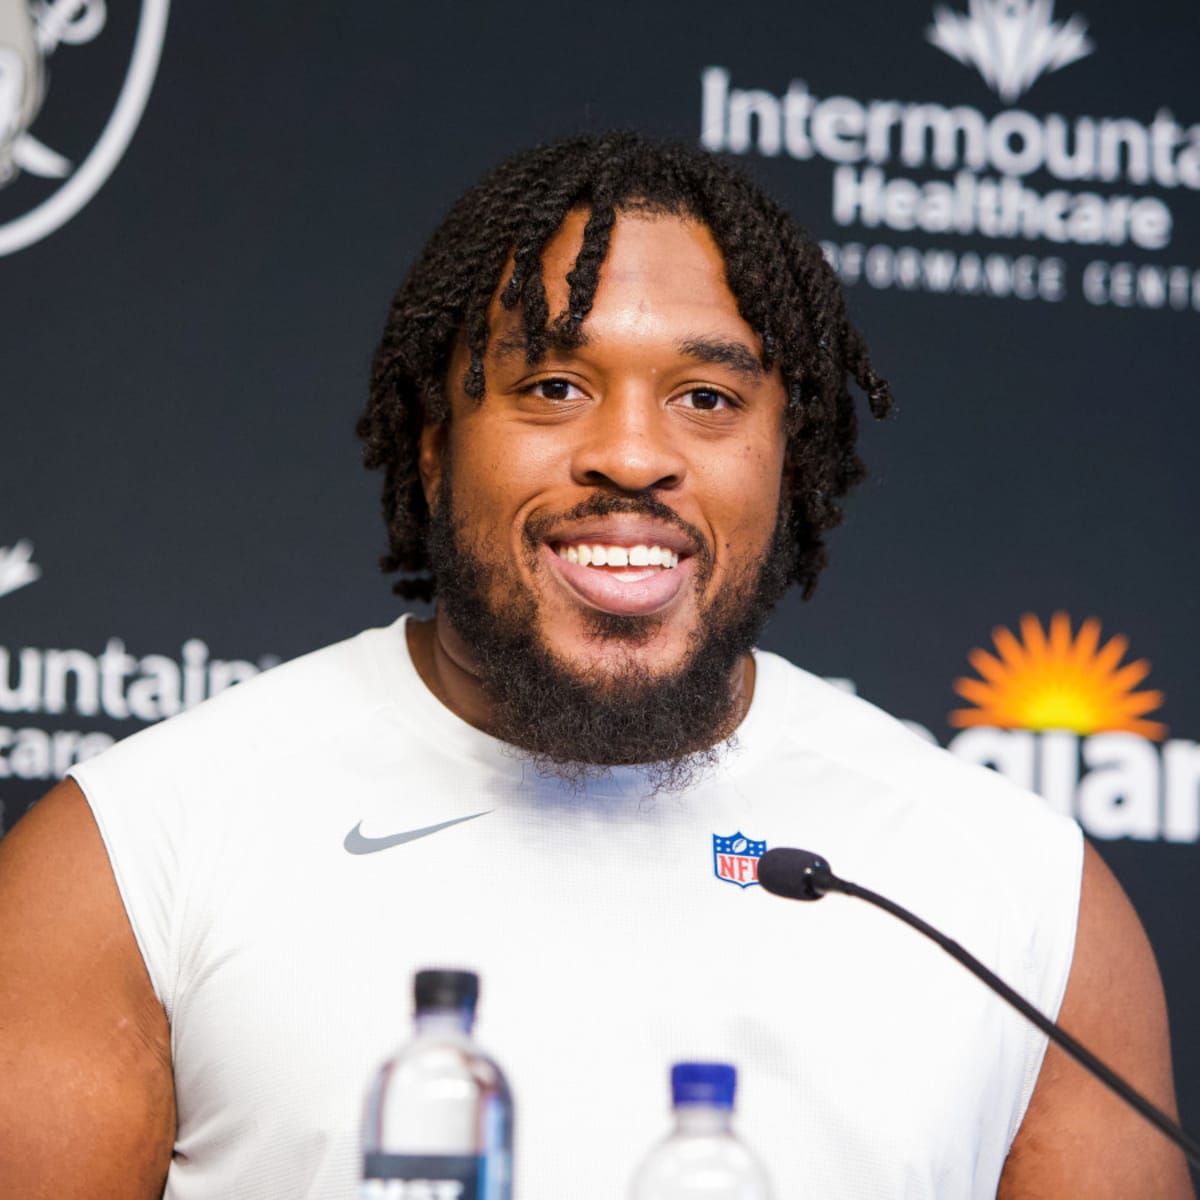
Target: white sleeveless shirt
(609, 943)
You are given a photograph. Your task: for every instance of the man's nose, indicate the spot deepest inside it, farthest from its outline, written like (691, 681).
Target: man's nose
(628, 443)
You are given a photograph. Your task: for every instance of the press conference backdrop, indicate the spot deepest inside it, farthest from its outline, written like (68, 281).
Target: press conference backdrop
(204, 212)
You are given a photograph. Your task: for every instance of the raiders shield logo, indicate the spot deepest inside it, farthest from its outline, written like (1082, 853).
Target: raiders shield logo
(47, 177)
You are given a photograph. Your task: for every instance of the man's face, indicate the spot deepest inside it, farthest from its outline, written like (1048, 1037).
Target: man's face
(606, 535)
(665, 399)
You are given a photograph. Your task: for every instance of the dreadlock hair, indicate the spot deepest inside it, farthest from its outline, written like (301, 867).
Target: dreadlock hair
(784, 289)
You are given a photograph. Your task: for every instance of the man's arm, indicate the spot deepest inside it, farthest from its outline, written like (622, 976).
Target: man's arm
(1078, 1138)
(87, 1103)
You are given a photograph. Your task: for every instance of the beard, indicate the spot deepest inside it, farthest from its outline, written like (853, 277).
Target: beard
(575, 726)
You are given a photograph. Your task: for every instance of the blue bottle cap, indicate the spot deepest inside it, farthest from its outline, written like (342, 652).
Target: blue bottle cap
(703, 1083)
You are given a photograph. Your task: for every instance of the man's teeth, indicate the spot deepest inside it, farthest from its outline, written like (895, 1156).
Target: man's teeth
(618, 556)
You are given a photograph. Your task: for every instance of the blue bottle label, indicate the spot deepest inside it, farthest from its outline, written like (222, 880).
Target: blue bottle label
(421, 1177)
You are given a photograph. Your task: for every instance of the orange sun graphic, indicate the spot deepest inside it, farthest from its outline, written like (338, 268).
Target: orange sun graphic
(1048, 679)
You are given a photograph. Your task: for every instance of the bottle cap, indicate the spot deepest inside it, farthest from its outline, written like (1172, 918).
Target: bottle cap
(703, 1083)
(445, 989)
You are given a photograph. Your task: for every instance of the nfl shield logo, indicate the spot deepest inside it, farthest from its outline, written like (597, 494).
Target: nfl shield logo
(735, 858)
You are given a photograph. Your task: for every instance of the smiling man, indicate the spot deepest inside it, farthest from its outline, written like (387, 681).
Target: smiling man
(609, 528)
(612, 408)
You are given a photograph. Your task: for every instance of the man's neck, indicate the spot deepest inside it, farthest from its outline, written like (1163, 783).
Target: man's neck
(446, 667)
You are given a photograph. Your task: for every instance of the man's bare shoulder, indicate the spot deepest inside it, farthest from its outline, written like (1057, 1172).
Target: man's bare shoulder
(1078, 1138)
(84, 1043)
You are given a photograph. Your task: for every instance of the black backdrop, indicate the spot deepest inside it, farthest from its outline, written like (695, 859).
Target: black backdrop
(183, 359)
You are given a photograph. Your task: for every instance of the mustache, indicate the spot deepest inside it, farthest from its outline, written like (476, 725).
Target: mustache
(603, 504)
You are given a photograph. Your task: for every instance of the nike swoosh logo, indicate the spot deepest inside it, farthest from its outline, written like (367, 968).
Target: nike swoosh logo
(358, 843)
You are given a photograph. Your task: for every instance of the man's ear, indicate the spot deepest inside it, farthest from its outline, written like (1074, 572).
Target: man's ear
(431, 450)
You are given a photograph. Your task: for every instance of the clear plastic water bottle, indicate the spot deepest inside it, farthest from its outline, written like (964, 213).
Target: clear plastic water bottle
(439, 1119)
(702, 1158)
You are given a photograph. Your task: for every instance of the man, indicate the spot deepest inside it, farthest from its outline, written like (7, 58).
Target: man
(611, 406)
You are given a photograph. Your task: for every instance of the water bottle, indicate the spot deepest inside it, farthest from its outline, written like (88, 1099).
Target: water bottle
(439, 1117)
(702, 1158)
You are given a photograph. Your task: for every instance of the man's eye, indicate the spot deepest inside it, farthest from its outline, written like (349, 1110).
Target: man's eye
(705, 400)
(554, 389)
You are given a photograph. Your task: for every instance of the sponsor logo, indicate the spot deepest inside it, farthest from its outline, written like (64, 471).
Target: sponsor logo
(358, 842)
(47, 694)
(1011, 43)
(1058, 711)
(17, 568)
(735, 858)
(44, 186)
(1011, 204)
(115, 684)
(38, 686)
(1050, 678)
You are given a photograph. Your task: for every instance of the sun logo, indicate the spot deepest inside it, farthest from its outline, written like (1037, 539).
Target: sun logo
(1050, 679)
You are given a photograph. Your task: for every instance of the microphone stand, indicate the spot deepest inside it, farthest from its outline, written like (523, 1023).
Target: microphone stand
(816, 879)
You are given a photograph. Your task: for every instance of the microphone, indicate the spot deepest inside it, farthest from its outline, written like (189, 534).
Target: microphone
(802, 875)
(795, 874)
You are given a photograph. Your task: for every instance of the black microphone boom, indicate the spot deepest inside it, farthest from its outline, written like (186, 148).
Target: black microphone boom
(801, 875)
